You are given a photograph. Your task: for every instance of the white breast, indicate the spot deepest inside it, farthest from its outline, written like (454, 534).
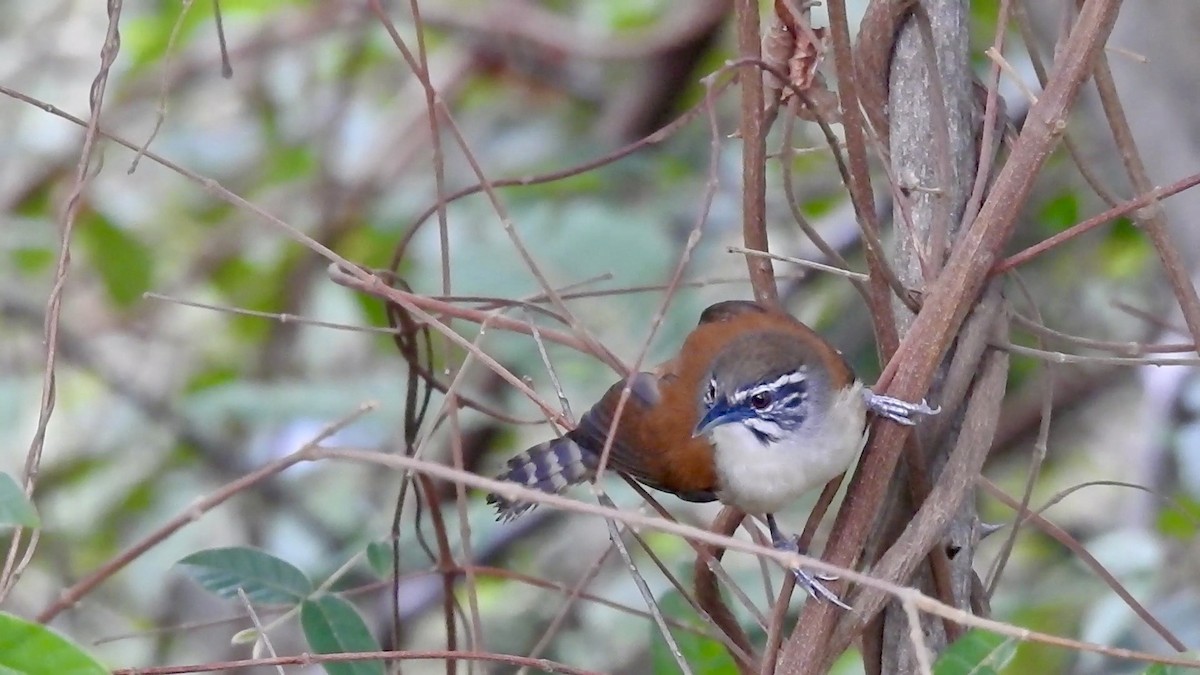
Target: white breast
(761, 478)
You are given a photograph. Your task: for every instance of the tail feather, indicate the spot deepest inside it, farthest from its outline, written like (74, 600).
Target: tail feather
(551, 467)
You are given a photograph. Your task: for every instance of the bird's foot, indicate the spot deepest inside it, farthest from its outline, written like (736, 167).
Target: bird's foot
(901, 412)
(810, 582)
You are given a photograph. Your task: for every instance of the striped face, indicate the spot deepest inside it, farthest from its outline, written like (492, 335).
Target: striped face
(770, 408)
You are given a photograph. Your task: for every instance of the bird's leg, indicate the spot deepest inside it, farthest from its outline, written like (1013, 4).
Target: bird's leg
(901, 412)
(810, 582)
(782, 542)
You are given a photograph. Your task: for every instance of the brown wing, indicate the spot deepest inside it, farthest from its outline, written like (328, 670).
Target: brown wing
(624, 453)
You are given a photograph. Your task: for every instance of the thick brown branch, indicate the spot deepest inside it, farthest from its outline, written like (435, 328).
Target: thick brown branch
(947, 304)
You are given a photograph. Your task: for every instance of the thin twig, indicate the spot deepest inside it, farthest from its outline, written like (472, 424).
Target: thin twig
(916, 634)
(1088, 559)
(1021, 14)
(261, 636)
(160, 112)
(1152, 218)
(1122, 209)
(67, 218)
(789, 559)
(74, 593)
(614, 535)
(1040, 447)
(858, 276)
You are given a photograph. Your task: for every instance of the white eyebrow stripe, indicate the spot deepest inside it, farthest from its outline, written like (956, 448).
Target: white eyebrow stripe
(781, 381)
(787, 378)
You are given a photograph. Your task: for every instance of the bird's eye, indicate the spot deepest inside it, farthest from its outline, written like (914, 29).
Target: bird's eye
(760, 401)
(710, 393)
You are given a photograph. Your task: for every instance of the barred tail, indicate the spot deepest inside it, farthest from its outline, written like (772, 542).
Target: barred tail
(551, 467)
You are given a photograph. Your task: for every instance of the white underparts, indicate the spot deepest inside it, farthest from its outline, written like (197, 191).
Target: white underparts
(760, 478)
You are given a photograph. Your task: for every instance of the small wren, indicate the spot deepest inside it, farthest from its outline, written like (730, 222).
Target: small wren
(756, 410)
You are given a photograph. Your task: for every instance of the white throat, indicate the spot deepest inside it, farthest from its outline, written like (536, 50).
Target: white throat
(763, 478)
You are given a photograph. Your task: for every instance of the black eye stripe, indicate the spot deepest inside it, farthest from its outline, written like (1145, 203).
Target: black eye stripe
(765, 431)
(792, 399)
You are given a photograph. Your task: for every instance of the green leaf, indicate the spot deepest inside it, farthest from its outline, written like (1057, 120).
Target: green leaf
(1126, 250)
(976, 653)
(32, 259)
(264, 578)
(287, 163)
(1180, 520)
(32, 649)
(252, 285)
(1059, 213)
(379, 557)
(696, 649)
(147, 36)
(332, 626)
(212, 377)
(15, 508)
(819, 206)
(122, 261)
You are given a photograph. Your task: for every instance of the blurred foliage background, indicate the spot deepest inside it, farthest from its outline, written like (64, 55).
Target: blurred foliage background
(160, 402)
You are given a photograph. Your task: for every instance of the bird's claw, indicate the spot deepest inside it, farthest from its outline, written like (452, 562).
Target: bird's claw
(817, 589)
(900, 412)
(810, 582)
(988, 529)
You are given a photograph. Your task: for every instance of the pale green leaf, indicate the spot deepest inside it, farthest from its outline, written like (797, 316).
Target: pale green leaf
(15, 508)
(332, 626)
(262, 576)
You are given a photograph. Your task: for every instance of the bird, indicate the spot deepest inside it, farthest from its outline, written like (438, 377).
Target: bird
(754, 411)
